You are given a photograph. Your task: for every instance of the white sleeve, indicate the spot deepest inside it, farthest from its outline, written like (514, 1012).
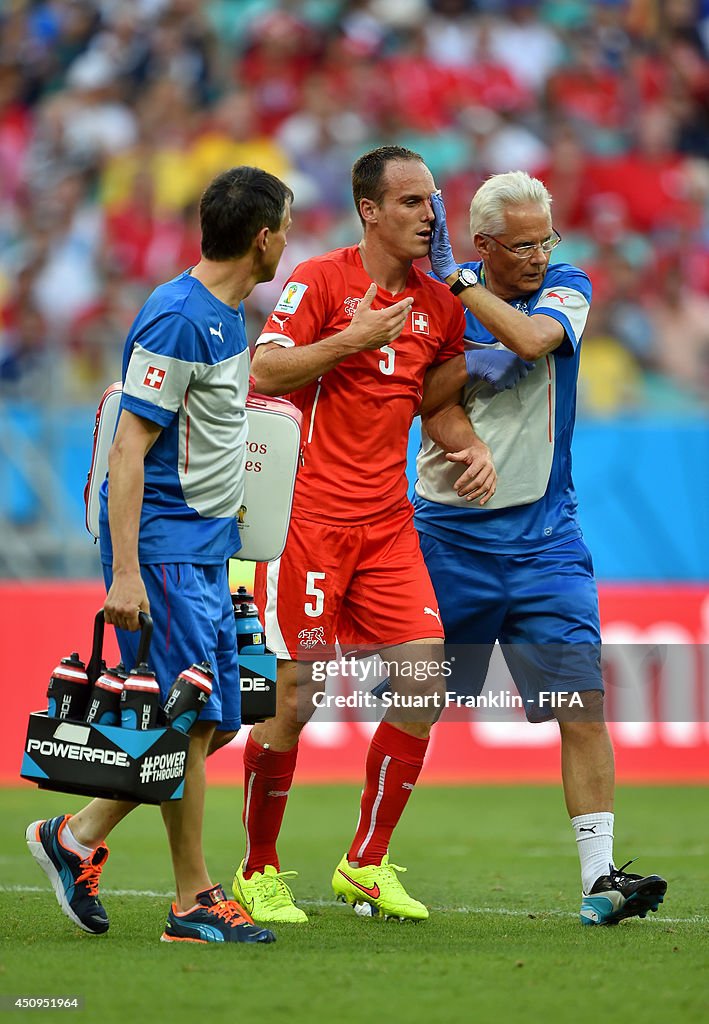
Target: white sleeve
(277, 339)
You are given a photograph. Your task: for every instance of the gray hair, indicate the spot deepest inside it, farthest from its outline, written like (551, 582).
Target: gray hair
(500, 191)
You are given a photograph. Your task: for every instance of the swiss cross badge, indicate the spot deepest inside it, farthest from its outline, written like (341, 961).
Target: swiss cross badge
(419, 322)
(154, 378)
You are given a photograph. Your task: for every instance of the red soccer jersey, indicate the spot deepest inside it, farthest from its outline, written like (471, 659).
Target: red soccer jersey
(356, 417)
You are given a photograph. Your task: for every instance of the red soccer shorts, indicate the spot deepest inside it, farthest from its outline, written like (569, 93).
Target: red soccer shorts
(362, 584)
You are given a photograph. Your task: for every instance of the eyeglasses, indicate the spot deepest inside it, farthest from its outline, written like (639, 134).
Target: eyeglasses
(523, 252)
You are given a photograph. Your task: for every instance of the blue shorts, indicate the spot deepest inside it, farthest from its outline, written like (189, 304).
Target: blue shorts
(542, 607)
(193, 620)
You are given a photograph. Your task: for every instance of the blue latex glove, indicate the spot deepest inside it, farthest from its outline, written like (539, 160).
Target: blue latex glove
(498, 367)
(443, 263)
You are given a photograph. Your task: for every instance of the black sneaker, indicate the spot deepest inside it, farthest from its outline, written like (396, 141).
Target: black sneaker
(213, 918)
(75, 881)
(619, 895)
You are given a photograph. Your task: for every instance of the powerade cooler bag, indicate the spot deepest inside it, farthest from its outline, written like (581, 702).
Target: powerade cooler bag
(112, 761)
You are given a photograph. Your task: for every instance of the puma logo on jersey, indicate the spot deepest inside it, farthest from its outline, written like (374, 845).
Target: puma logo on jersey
(557, 295)
(217, 332)
(430, 611)
(281, 323)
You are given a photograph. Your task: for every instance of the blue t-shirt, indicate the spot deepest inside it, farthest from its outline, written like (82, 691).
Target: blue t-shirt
(529, 430)
(186, 367)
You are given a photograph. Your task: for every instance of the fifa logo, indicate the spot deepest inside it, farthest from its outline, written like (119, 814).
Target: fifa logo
(241, 514)
(291, 293)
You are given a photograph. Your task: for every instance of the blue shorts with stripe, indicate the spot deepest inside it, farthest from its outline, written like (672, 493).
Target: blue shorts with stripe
(193, 620)
(542, 607)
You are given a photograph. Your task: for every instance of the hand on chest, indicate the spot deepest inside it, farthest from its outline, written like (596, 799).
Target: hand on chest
(404, 360)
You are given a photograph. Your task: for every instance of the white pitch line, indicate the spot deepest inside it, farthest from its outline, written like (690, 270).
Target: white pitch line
(499, 911)
(104, 891)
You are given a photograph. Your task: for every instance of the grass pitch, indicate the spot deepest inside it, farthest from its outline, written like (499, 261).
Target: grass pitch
(497, 867)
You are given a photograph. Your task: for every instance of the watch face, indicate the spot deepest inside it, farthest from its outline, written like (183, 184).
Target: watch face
(466, 279)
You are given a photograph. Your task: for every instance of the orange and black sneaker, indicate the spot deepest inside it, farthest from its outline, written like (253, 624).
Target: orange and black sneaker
(213, 918)
(75, 880)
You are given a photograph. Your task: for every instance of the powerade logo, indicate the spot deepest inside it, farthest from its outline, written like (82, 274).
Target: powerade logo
(172, 700)
(161, 767)
(256, 684)
(73, 752)
(178, 694)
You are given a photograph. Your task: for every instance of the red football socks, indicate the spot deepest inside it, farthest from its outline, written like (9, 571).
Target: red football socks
(268, 775)
(394, 762)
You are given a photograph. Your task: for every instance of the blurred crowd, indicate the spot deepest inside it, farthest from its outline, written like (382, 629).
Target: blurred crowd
(114, 114)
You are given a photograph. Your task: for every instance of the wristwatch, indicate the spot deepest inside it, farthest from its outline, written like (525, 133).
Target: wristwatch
(466, 279)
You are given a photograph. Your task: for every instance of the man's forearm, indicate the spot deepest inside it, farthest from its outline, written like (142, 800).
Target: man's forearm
(450, 428)
(530, 337)
(278, 370)
(125, 501)
(442, 383)
(452, 431)
(127, 596)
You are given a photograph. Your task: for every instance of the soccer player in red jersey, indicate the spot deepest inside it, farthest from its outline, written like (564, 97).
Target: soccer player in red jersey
(353, 341)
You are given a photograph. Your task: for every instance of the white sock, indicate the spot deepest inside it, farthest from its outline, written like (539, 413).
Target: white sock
(594, 841)
(69, 840)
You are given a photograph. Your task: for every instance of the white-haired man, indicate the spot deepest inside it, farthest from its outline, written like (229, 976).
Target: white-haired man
(517, 570)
